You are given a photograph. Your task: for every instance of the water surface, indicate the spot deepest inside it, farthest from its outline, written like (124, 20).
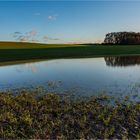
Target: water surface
(87, 76)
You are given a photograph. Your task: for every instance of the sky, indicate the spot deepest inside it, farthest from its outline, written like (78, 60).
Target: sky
(66, 21)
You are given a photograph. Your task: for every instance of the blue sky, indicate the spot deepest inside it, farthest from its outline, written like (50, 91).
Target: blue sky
(66, 21)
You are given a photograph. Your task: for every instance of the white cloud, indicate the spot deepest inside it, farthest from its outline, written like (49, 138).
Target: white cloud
(51, 18)
(16, 34)
(46, 38)
(25, 37)
(32, 33)
(33, 36)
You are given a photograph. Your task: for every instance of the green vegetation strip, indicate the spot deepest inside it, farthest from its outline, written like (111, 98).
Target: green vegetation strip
(30, 51)
(55, 116)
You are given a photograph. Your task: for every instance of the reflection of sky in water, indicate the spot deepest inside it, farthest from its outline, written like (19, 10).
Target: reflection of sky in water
(88, 74)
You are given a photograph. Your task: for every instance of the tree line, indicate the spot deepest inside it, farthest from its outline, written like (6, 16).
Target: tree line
(122, 38)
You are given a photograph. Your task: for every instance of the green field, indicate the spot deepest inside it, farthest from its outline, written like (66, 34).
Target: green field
(15, 51)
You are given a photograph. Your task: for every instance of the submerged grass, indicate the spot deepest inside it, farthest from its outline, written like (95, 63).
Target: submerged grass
(54, 116)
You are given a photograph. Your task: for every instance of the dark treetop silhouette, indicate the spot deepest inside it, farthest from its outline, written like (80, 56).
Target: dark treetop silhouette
(122, 38)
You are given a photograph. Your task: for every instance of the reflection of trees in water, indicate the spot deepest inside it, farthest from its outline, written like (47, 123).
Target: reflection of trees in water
(122, 60)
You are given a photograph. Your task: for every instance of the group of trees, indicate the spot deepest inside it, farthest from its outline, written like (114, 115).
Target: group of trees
(122, 38)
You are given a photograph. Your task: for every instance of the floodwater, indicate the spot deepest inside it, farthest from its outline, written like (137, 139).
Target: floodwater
(86, 76)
